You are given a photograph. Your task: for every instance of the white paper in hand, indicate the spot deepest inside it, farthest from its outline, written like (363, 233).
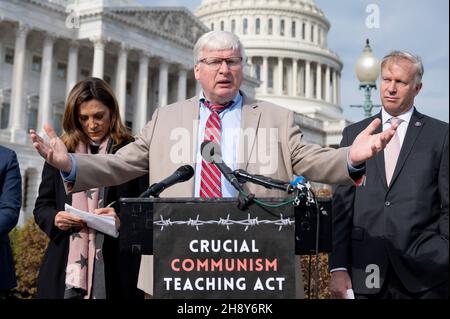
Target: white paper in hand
(104, 224)
(350, 294)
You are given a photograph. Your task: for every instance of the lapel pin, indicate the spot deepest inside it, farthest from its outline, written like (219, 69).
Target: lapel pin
(418, 124)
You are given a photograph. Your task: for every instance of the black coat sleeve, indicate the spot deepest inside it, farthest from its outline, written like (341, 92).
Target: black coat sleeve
(342, 208)
(47, 203)
(10, 192)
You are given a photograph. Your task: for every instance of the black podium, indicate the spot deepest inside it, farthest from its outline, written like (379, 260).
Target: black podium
(212, 249)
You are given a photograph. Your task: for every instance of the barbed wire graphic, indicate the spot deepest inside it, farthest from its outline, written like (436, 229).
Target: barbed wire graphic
(249, 222)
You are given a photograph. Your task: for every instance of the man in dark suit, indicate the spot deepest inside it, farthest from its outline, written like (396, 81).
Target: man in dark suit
(390, 237)
(10, 202)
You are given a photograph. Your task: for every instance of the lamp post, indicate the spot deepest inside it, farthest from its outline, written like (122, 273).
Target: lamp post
(367, 70)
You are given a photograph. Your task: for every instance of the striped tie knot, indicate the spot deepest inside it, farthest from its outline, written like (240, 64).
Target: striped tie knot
(395, 120)
(217, 108)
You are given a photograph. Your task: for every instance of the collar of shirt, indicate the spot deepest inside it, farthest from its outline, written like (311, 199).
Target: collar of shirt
(406, 117)
(237, 103)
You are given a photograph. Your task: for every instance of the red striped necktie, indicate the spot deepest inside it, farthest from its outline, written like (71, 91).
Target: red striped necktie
(210, 185)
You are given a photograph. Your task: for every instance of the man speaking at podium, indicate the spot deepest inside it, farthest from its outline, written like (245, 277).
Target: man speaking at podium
(257, 136)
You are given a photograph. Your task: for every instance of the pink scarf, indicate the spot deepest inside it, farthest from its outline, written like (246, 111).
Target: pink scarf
(82, 250)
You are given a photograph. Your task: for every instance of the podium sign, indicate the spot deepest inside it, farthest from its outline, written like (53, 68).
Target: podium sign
(211, 249)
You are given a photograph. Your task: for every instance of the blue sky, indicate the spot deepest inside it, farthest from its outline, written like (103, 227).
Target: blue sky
(419, 26)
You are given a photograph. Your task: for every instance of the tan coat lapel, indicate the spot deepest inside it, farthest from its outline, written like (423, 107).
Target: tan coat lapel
(249, 130)
(190, 116)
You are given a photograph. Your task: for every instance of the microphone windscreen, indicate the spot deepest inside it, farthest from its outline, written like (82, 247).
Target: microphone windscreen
(185, 172)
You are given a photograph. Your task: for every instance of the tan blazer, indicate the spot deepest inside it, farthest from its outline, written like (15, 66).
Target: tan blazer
(270, 144)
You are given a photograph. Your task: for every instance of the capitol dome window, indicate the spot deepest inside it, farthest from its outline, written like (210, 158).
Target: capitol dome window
(233, 26)
(9, 56)
(61, 69)
(293, 29)
(4, 115)
(245, 26)
(32, 106)
(212, 26)
(282, 26)
(303, 31)
(84, 73)
(257, 72)
(36, 63)
(270, 27)
(258, 26)
(222, 26)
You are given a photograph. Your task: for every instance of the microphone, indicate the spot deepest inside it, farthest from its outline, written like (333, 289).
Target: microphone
(212, 154)
(182, 174)
(267, 182)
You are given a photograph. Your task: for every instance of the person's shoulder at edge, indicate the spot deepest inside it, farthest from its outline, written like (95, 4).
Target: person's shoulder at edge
(6, 150)
(435, 123)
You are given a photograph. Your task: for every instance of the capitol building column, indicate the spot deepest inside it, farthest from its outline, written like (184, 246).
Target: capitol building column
(163, 83)
(318, 81)
(140, 114)
(308, 81)
(265, 75)
(280, 76)
(72, 67)
(182, 83)
(327, 85)
(121, 79)
(45, 106)
(338, 85)
(335, 87)
(301, 88)
(17, 110)
(250, 64)
(1, 55)
(99, 57)
(294, 77)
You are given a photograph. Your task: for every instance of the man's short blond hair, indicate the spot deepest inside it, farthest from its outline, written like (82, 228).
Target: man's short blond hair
(405, 55)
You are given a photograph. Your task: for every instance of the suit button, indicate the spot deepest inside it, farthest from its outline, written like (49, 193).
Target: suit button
(387, 204)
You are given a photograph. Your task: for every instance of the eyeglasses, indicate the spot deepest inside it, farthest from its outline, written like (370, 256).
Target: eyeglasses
(216, 63)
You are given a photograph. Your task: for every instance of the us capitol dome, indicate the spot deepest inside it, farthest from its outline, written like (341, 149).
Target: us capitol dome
(287, 51)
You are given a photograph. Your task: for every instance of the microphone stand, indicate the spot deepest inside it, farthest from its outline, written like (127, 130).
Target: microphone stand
(244, 199)
(267, 182)
(148, 192)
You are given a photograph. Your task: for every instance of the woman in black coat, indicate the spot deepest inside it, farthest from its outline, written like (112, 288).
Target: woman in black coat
(92, 125)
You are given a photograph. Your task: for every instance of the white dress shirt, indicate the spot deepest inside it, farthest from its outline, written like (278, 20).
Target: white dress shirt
(401, 130)
(231, 123)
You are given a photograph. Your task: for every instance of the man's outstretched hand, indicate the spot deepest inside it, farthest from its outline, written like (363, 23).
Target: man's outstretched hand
(366, 145)
(54, 151)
